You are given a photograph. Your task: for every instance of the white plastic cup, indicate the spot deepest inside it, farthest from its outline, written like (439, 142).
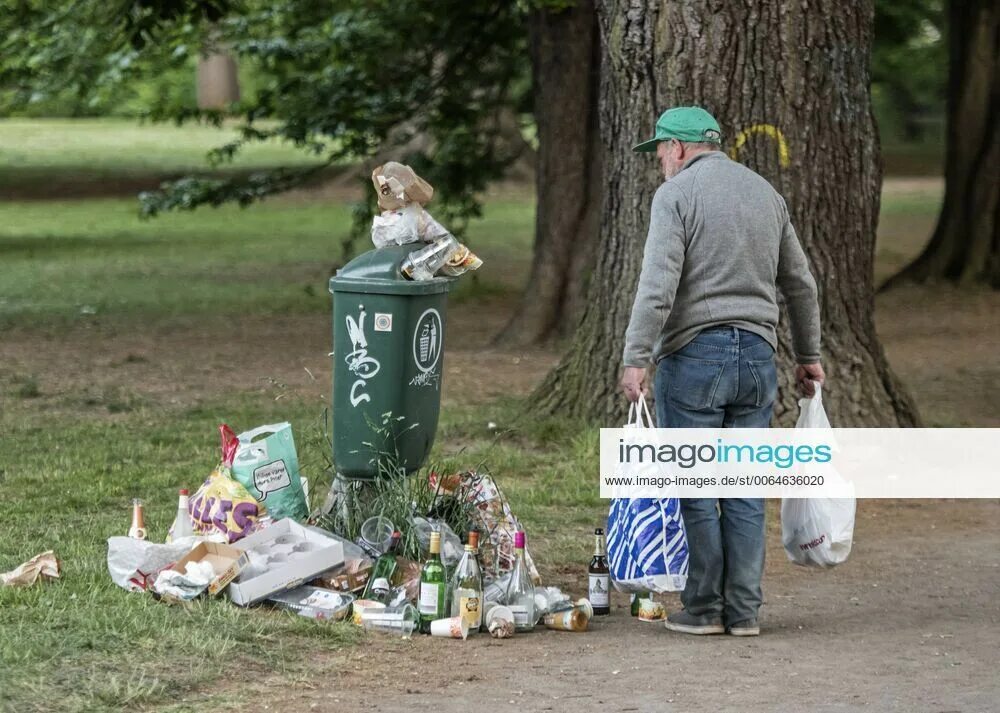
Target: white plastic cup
(453, 628)
(401, 620)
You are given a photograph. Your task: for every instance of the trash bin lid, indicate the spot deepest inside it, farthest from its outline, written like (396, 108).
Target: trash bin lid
(377, 272)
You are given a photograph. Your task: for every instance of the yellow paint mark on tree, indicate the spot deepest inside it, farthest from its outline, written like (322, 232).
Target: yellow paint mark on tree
(768, 130)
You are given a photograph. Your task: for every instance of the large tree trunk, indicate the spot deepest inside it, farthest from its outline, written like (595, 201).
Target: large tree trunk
(565, 65)
(965, 246)
(802, 70)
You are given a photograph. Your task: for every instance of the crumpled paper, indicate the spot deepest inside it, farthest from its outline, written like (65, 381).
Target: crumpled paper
(40, 567)
(185, 585)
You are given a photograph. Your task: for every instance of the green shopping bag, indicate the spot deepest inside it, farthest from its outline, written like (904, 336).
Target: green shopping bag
(267, 465)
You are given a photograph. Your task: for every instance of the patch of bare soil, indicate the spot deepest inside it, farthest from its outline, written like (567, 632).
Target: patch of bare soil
(183, 364)
(944, 343)
(910, 623)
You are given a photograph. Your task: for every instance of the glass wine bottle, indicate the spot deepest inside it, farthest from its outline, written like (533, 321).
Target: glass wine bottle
(600, 577)
(467, 586)
(521, 591)
(432, 586)
(385, 565)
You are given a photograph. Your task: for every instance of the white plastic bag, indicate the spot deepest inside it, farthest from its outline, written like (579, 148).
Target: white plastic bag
(134, 564)
(816, 532)
(647, 545)
(406, 225)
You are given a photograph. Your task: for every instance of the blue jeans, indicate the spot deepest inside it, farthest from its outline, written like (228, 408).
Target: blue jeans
(724, 378)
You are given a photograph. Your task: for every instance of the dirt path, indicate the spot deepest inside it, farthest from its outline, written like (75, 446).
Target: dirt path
(910, 623)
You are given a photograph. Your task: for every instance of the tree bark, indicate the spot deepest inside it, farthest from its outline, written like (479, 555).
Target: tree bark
(801, 69)
(565, 66)
(217, 81)
(965, 247)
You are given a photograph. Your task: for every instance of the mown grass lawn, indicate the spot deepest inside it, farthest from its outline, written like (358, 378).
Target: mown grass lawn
(67, 475)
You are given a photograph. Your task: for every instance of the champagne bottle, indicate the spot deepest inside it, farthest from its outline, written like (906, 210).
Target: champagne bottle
(467, 586)
(521, 591)
(600, 577)
(138, 529)
(432, 586)
(385, 565)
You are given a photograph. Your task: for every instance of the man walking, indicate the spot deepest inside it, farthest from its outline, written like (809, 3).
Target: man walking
(720, 244)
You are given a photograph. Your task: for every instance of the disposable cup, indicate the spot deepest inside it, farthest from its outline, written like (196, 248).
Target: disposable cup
(499, 612)
(402, 620)
(376, 534)
(364, 606)
(454, 628)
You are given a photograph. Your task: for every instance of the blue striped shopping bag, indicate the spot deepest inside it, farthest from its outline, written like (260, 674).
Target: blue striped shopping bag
(647, 547)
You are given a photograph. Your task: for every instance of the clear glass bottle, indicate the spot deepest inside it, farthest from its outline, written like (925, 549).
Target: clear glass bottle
(520, 597)
(182, 523)
(432, 586)
(600, 577)
(467, 586)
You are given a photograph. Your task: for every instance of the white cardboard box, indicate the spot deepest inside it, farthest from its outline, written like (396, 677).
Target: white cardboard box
(283, 556)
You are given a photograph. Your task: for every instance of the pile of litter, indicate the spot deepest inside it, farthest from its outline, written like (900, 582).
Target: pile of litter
(245, 535)
(402, 195)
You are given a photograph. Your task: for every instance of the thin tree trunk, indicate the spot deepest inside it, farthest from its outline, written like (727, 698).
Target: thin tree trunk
(965, 247)
(801, 69)
(565, 61)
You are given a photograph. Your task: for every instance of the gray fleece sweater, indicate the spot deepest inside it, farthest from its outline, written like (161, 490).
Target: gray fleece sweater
(720, 244)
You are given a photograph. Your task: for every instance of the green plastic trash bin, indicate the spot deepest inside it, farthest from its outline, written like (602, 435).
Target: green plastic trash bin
(388, 334)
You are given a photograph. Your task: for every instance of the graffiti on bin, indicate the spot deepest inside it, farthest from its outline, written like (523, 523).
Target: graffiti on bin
(358, 361)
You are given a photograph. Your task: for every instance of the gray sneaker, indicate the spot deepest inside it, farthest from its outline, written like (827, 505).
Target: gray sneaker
(699, 625)
(745, 628)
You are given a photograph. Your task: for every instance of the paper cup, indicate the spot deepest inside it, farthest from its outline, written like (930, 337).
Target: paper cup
(454, 628)
(499, 612)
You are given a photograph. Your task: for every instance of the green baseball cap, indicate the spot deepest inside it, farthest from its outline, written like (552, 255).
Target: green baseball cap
(684, 123)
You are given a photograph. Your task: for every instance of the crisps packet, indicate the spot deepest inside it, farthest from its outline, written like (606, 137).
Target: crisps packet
(222, 504)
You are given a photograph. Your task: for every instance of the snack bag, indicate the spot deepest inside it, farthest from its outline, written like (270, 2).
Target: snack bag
(222, 504)
(267, 465)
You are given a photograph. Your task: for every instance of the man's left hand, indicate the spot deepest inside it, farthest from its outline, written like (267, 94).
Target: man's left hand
(632, 382)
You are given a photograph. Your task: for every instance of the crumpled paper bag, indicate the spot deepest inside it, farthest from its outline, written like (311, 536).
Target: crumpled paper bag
(40, 567)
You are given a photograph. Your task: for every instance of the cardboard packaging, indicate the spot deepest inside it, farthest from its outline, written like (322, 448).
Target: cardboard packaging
(282, 557)
(227, 563)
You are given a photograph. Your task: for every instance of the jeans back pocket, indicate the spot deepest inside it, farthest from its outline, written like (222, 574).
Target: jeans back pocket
(691, 382)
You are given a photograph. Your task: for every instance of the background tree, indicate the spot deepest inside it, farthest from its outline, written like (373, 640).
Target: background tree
(341, 79)
(909, 65)
(801, 70)
(565, 59)
(965, 246)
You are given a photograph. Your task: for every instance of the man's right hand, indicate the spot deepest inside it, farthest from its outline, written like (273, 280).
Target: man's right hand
(805, 375)
(631, 382)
